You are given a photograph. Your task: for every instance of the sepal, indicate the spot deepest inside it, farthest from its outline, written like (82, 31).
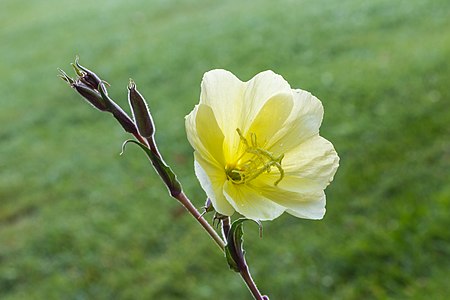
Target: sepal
(234, 249)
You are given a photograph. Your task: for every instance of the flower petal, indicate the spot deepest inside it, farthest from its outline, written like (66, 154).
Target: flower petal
(313, 209)
(204, 133)
(302, 205)
(303, 123)
(211, 178)
(271, 117)
(223, 92)
(308, 168)
(209, 133)
(191, 129)
(258, 91)
(251, 203)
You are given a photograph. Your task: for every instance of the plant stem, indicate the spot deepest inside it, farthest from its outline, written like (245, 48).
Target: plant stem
(141, 139)
(247, 277)
(152, 146)
(183, 199)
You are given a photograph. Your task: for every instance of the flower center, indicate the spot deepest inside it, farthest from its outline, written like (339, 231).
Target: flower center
(253, 162)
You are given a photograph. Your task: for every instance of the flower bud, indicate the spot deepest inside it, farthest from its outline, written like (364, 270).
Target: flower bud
(93, 89)
(141, 114)
(91, 96)
(86, 76)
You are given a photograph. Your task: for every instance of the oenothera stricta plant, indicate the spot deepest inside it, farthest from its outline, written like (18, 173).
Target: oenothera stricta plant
(257, 151)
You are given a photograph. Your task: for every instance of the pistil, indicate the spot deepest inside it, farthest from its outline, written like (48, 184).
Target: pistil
(253, 162)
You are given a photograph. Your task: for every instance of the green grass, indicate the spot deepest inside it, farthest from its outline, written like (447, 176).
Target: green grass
(78, 221)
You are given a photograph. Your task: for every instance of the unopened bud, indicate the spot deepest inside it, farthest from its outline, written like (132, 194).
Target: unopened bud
(208, 206)
(92, 96)
(141, 114)
(86, 76)
(93, 89)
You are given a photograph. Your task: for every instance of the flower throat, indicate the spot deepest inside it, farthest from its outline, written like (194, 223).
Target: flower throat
(253, 162)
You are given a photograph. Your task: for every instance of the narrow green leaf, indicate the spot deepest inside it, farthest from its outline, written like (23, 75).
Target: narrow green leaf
(163, 170)
(234, 249)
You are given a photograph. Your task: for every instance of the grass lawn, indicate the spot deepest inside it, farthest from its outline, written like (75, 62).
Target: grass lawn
(78, 221)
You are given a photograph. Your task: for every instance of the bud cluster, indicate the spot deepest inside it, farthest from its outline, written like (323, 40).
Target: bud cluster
(93, 90)
(88, 85)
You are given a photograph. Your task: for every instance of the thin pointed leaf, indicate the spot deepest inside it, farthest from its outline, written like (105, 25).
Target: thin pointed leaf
(163, 170)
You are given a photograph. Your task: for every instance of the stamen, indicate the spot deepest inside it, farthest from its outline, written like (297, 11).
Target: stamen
(260, 161)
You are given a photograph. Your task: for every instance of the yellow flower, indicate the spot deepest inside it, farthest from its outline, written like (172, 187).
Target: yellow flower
(258, 149)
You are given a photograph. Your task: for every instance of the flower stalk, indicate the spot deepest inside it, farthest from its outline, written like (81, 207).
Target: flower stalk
(247, 277)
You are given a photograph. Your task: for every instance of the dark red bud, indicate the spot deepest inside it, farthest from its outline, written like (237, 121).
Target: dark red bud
(141, 113)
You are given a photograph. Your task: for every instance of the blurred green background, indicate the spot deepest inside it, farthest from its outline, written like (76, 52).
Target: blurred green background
(78, 221)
